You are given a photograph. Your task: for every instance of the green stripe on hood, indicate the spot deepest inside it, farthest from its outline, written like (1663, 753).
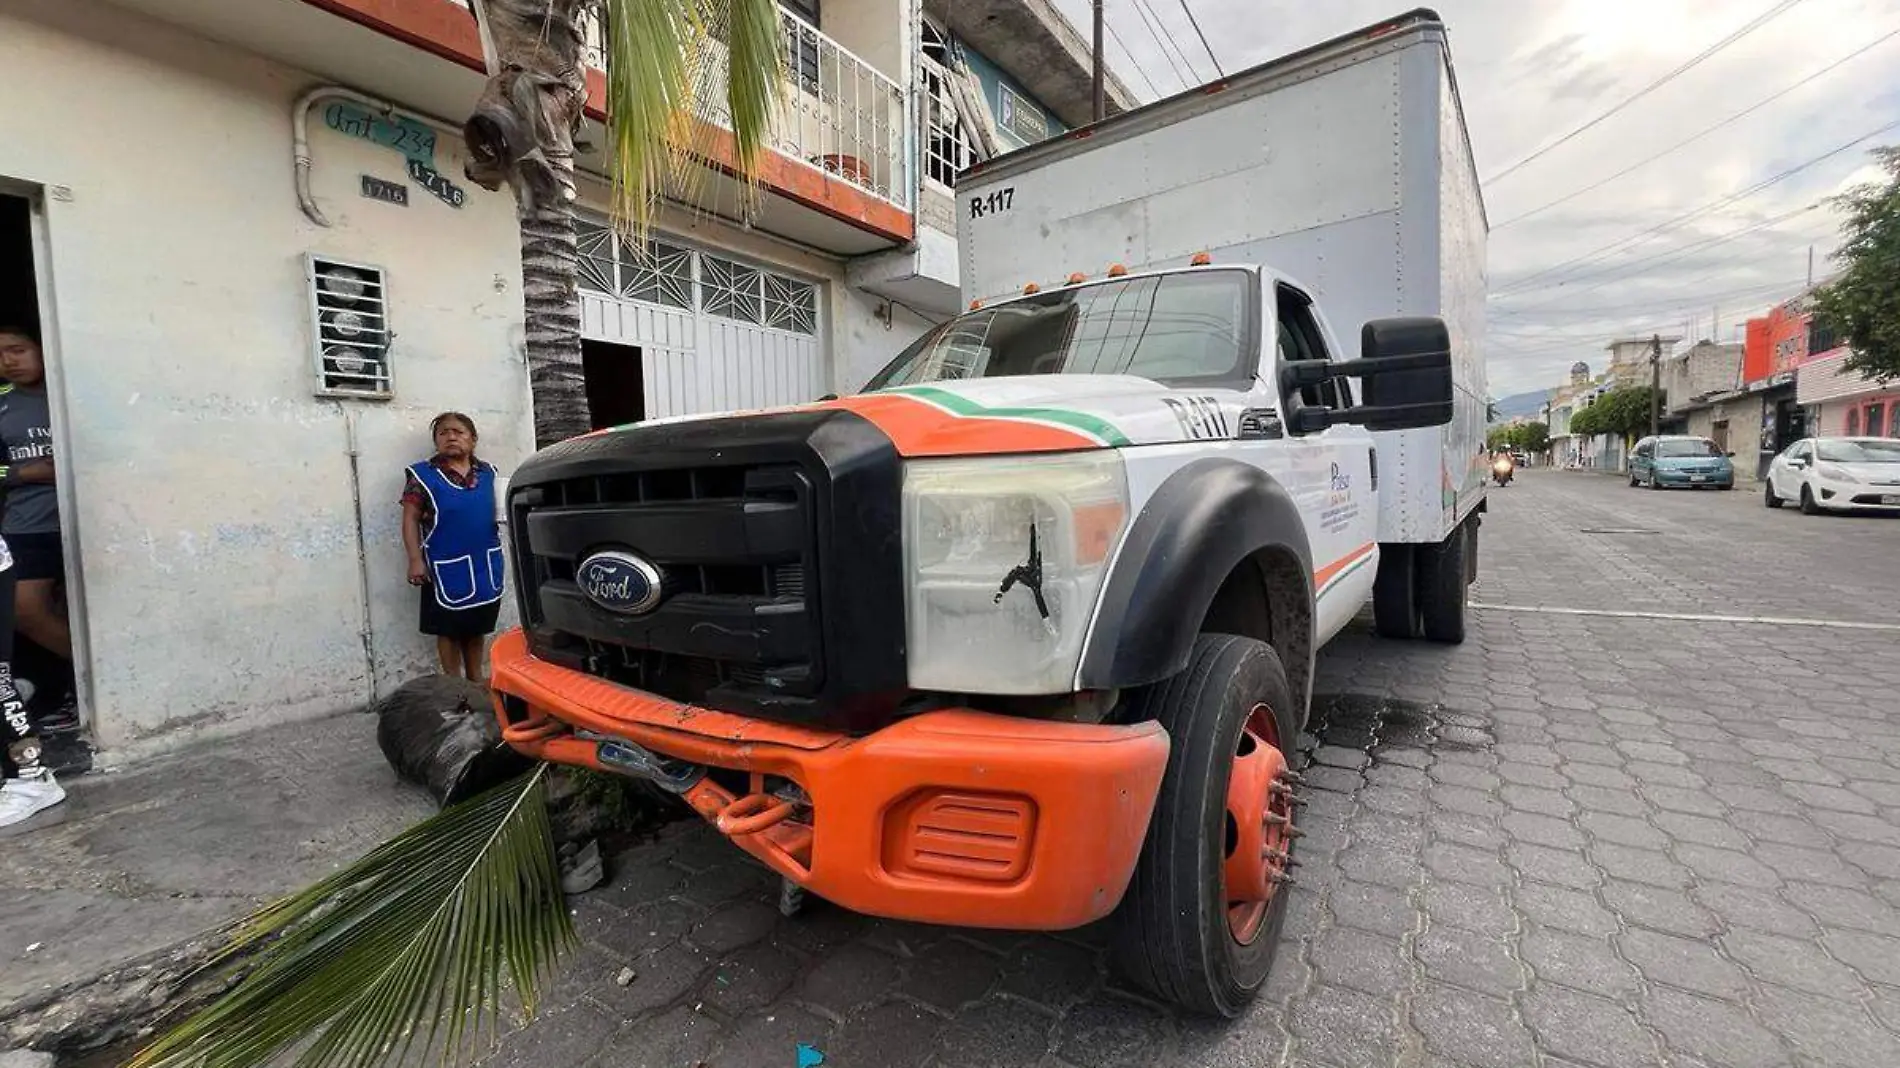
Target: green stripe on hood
(962, 405)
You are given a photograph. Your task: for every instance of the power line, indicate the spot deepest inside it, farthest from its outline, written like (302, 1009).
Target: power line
(1142, 9)
(1132, 61)
(1754, 24)
(1706, 131)
(1196, 23)
(1668, 224)
(1611, 274)
(1608, 310)
(1579, 336)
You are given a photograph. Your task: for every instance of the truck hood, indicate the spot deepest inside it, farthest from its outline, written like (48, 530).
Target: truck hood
(1035, 413)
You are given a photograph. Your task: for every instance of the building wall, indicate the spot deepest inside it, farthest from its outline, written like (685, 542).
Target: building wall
(212, 496)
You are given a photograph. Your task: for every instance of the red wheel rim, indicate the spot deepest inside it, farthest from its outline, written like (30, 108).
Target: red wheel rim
(1259, 835)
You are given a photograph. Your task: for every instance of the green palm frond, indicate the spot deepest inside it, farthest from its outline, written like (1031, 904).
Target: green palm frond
(410, 947)
(675, 70)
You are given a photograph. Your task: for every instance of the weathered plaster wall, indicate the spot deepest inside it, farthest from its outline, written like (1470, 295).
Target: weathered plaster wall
(212, 494)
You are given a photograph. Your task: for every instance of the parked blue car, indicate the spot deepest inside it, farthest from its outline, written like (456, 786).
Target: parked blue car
(1672, 460)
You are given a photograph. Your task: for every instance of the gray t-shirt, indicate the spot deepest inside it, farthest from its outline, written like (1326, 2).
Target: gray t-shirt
(26, 433)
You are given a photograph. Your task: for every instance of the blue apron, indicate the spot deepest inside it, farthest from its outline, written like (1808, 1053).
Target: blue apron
(464, 547)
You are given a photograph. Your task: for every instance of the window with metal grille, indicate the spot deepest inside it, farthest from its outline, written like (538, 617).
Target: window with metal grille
(349, 309)
(659, 273)
(664, 273)
(948, 147)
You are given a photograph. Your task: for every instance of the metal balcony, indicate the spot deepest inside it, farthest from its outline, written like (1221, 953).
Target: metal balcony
(837, 114)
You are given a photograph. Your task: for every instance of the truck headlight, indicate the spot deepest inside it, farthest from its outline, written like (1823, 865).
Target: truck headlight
(977, 624)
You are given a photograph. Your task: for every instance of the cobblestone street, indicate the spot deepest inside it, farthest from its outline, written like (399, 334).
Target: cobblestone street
(1591, 835)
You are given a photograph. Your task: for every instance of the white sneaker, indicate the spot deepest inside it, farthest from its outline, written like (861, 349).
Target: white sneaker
(22, 799)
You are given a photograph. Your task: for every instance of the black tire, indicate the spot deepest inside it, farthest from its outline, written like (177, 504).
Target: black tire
(1654, 482)
(1443, 578)
(1726, 486)
(1632, 480)
(1808, 507)
(1769, 496)
(1171, 935)
(1395, 594)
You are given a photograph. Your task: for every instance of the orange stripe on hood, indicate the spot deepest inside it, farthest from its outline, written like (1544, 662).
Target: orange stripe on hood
(919, 428)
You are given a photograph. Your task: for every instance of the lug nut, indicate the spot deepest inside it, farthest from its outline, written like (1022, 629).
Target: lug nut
(1274, 819)
(1293, 777)
(1270, 853)
(1295, 832)
(1279, 878)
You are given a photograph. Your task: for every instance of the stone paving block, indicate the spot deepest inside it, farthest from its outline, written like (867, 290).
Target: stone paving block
(1623, 830)
(1828, 1030)
(1517, 773)
(1360, 961)
(571, 1035)
(772, 1038)
(950, 974)
(891, 1034)
(1466, 959)
(750, 979)
(1837, 906)
(848, 977)
(1458, 827)
(822, 927)
(1789, 962)
(1659, 909)
(1579, 962)
(1587, 1028)
(999, 1032)
(677, 1037)
(1605, 799)
(659, 924)
(1693, 802)
(1537, 799)
(1481, 909)
(1467, 865)
(1754, 908)
(1681, 962)
(1112, 1032)
(1609, 778)
(1371, 907)
(1700, 830)
(1056, 974)
(738, 923)
(1472, 1029)
(1649, 866)
(660, 978)
(1565, 910)
(1344, 1028)
(1725, 866)
(640, 877)
(1543, 830)
(1722, 1034)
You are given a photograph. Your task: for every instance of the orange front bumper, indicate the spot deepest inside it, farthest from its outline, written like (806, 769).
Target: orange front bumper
(955, 817)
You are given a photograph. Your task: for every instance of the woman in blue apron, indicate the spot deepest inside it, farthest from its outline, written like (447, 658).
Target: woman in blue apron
(454, 543)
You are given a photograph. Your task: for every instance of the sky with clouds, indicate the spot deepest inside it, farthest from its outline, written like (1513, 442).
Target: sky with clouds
(1531, 71)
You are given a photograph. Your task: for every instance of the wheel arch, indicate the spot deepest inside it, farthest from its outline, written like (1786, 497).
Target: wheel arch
(1219, 548)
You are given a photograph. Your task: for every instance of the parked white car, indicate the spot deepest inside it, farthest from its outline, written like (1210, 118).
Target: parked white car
(1836, 475)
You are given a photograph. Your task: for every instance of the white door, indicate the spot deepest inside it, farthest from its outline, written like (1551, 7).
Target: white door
(714, 334)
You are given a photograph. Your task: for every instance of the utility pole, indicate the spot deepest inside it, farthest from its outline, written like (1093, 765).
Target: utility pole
(1655, 384)
(1101, 89)
(1810, 261)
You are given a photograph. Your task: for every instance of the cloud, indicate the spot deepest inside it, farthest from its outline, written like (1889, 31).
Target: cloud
(1531, 71)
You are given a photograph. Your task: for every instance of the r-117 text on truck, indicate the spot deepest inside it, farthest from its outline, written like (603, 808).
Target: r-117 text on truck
(1023, 634)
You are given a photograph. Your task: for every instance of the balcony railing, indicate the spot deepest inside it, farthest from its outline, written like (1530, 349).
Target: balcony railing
(837, 113)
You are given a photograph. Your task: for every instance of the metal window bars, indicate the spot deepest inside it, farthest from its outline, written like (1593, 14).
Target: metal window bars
(349, 310)
(948, 147)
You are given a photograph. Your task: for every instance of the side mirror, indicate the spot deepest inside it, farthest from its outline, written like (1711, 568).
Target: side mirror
(1405, 364)
(1730, 455)
(827, 397)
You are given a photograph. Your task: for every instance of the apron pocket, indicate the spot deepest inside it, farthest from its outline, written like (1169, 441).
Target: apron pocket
(454, 581)
(497, 570)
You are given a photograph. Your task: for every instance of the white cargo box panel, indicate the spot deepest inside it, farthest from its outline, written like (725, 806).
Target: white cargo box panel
(1344, 167)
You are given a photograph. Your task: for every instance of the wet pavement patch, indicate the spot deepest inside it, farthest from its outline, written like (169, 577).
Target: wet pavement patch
(1344, 724)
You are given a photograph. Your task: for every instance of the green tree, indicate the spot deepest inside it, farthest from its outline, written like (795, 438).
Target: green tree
(1623, 411)
(1533, 437)
(413, 947)
(1862, 305)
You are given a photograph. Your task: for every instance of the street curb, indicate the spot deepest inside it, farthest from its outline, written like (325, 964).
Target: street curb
(125, 1003)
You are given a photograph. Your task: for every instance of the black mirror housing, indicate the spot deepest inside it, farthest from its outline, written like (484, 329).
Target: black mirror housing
(1405, 364)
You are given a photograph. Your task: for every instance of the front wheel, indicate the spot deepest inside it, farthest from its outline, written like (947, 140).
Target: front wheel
(1202, 916)
(1769, 496)
(1809, 506)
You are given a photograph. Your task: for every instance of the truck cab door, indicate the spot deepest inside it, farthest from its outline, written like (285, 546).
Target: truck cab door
(1334, 470)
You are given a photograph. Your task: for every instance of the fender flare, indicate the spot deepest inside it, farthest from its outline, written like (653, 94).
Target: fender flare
(1202, 522)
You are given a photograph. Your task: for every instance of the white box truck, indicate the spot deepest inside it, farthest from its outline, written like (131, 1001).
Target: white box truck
(1346, 170)
(1023, 635)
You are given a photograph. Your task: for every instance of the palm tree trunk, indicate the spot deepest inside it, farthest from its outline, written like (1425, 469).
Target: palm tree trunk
(550, 294)
(522, 135)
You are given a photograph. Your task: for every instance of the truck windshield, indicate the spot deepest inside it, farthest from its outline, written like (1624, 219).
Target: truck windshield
(1173, 328)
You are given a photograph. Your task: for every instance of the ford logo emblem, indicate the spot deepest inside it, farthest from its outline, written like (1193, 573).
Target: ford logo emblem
(619, 582)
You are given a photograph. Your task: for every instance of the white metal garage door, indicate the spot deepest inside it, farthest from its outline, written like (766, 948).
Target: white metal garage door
(715, 334)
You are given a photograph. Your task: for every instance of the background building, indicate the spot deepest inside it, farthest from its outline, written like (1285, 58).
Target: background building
(246, 235)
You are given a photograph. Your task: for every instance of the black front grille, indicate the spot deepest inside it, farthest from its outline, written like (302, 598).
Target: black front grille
(777, 541)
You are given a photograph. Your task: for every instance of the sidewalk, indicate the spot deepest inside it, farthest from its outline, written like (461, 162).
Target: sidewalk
(103, 917)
